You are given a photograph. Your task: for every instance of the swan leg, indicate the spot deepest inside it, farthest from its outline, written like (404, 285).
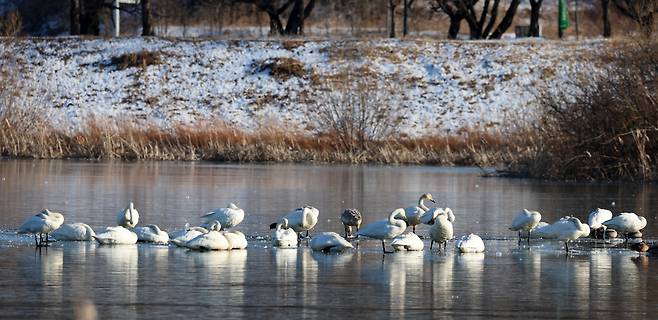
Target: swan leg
(519, 237)
(347, 228)
(383, 246)
(528, 237)
(36, 243)
(431, 244)
(307, 234)
(413, 229)
(566, 245)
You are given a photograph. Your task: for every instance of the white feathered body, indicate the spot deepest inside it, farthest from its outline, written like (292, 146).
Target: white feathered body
(228, 217)
(128, 217)
(471, 243)
(44, 222)
(236, 240)
(213, 240)
(74, 232)
(569, 228)
(385, 229)
(526, 220)
(303, 219)
(152, 233)
(408, 241)
(542, 230)
(116, 235)
(284, 237)
(626, 222)
(598, 217)
(329, 241)
(442, 229)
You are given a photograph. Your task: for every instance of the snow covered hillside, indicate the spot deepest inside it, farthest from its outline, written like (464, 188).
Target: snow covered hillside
(436, 86)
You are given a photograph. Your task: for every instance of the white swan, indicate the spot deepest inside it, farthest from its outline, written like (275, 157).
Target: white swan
(302, 219)
(128, 217)
(236, 240)
(284, 237)
(526, 220)
(74, 232)
(228, 217)
(543, 230)
(626, 222)
(596, 219)
(212, 240)
(386, 229)
(42, 223)
(441, 231)
(432, 213)
(408, 241)
(351, 218)
(180, 237)
(151, 233)
(414, 213)
(329, 242)
(471, 243)
(569, 228)
(116, 235)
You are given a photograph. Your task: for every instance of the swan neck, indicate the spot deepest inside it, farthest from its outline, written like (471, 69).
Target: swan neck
(421, 204)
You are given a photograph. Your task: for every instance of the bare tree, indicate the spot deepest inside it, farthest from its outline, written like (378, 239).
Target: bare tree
(405, 17)
(392, 4)
(605, 4)
(75, 17)
(275, 9)
(452, 12)
(146, 18)
(535, 7)
(641, 11)
(482, 25)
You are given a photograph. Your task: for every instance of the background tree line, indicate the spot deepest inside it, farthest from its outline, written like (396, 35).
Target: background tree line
(479, 19)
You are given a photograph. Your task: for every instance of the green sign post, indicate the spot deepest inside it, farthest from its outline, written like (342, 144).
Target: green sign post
(562, 17)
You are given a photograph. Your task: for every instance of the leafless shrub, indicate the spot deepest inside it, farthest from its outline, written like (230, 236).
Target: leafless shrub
(608, 132)
(140, 59)
(11, 24)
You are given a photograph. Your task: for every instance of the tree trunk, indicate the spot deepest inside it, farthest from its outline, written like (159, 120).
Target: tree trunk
(535, 6)
(507, 20)
(295, 25)
(75, 17)
(276, 27)
(607, 32)
(455, 23)
(391, 10)
(90, 17)
(146, 18)
(405, 17)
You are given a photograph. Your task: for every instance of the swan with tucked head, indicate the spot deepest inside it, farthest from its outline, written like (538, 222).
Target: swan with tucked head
(414, 213)
(441, 231)
(228, 217)
(569, 228)
(386, 229)
(626, 222)
(596, 219)
(329, 242)
(116, 235)
(301, 219)
(74, 232)
(407, 242)
(283, 236)
(526, 220)
(128, 217)
(471, 243)
(212, 240)
(42, 223)
(152, 233)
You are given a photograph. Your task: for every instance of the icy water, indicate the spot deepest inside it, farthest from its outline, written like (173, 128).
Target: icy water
(146, 281)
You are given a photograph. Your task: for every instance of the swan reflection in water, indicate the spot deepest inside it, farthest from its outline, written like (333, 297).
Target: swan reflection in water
(297, 276)
(471, 268)
(119, 265)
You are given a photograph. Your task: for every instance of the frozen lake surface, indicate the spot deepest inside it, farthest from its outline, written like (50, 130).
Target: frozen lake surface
(149, 281)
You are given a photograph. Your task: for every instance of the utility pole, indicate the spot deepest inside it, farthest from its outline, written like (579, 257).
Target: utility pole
(577, 35)
(117, 23)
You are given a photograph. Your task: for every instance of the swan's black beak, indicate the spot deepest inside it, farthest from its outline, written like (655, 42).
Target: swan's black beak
(432, 200)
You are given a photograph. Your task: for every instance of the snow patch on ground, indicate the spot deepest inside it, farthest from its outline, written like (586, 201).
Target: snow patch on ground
(439, 86)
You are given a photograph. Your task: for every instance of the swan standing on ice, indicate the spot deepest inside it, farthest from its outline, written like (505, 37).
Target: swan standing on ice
(569, 228)
(128, 217)
(283, 236)
(236, 240)
(74, 232)
(386, 229)
(408, 242)
(351, 218)
(414, 213)
(228, 217)
(302, 219)
(116, 235)
(597, 218)
(152, 233)
(329, 242)
(42, 223)
(526, 220)
(213, 240)
(441, 231)
(626, 222)
(471, 243)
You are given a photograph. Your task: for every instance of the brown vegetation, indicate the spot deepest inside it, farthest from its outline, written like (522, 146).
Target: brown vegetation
(609, 131)
(141, 59)
(282, 68)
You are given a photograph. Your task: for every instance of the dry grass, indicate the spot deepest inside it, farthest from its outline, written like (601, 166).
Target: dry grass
(140, 59)
(607, 132)
(281, 68)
